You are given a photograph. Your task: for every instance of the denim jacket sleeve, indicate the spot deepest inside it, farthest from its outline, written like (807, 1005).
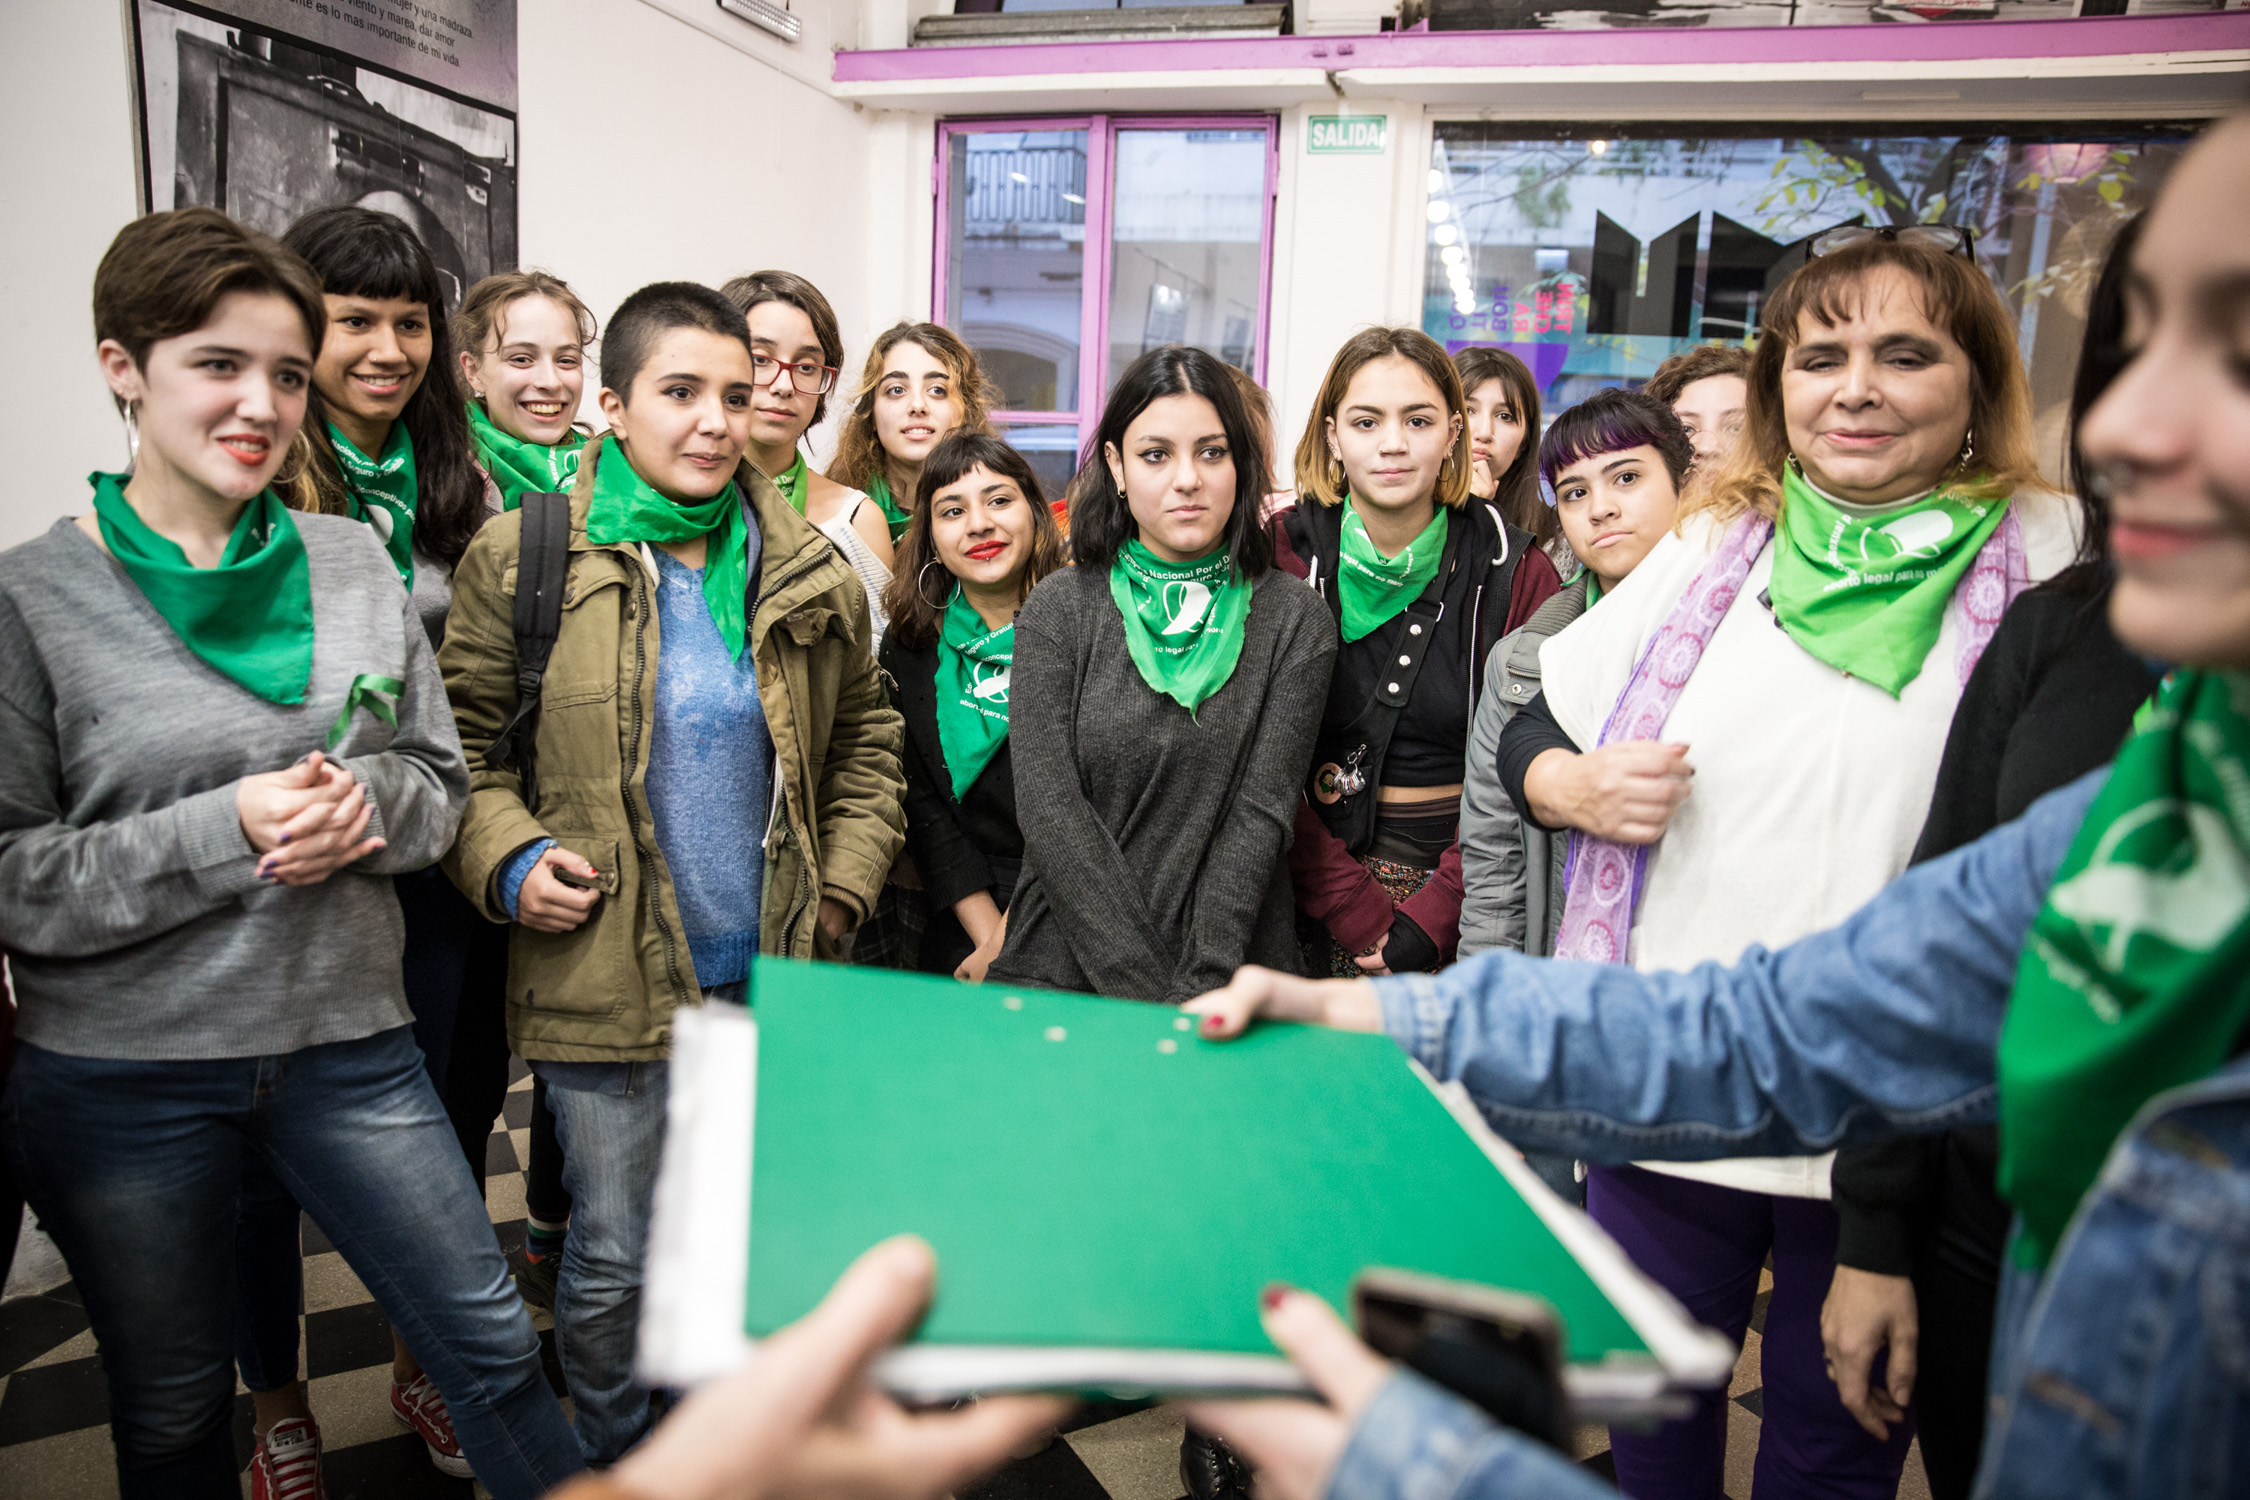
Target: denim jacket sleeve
(1885, 1024)
(1418, 1442)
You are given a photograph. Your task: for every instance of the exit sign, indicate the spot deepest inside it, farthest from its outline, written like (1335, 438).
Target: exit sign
(1348, 135)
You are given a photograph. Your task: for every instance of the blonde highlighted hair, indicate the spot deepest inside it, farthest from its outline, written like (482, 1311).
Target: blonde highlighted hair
(1319, 474)
(859, 453)
(1958, 297)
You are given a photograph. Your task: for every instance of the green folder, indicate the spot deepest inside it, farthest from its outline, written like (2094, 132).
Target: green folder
(1108, 1193)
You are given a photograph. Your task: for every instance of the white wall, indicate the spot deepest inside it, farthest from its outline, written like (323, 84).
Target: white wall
(69, 180)
(659, 140)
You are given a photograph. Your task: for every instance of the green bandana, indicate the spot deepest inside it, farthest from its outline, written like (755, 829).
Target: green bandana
(383, 492)
(1593, 590)
(791, 482)
(1374, 588)
(879, 491)
(2136, 978)
(626, 509)
(519, 466)
(1183, 621)
(1867, 594)
(251, 616)
(972, 690)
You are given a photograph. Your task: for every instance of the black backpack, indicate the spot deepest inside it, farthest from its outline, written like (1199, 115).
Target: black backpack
(542, 562)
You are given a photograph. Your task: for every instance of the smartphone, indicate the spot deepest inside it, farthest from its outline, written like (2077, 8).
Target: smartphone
(1499, 1351)
(576, 881)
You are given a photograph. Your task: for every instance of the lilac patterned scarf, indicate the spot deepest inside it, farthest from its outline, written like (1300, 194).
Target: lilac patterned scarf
(1602, 881)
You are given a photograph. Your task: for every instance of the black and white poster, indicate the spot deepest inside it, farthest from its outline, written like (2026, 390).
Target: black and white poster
(268, 109)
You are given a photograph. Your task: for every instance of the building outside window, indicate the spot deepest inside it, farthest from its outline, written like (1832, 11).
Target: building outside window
(1071, 246)
(1594, 259)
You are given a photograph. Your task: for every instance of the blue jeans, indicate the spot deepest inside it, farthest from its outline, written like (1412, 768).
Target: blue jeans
(136, 1167)
(609, 1118)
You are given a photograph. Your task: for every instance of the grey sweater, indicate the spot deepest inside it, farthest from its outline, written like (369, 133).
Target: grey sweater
(1153, 841)
(129, 897)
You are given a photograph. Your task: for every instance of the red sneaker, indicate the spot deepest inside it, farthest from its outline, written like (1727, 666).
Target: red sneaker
(420, 1407)
(287, 1463)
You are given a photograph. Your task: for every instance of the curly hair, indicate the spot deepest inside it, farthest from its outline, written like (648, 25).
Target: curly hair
(859, 454)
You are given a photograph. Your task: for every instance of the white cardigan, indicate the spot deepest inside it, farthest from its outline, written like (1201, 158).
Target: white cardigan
(1811, 787)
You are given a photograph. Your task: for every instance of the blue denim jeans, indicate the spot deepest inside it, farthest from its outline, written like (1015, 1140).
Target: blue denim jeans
(609, 1118)
(136, 1167)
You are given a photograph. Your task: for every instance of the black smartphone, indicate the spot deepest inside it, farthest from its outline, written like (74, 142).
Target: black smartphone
(1499, 1351)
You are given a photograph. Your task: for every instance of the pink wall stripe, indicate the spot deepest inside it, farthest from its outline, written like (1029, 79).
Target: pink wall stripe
(1940, 42)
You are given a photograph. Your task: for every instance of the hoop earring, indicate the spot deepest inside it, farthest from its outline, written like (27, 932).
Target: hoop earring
(132, 434)
(923, 594)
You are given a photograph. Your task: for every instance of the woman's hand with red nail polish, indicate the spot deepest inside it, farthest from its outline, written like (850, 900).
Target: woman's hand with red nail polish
(1345, 1004)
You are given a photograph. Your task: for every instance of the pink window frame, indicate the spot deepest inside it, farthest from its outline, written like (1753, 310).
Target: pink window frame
(1093, 314)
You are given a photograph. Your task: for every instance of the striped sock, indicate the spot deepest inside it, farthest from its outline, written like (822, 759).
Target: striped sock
(542, 1239)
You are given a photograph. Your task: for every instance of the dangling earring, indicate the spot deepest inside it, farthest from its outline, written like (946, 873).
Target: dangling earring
(1795, 467)
(922, 593)
(1968, 450)
(132, 434)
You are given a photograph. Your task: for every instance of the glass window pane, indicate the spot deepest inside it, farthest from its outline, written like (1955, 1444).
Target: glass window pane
(1016, 260)
(1595, 260)
(1187, 239)
(1051, 451)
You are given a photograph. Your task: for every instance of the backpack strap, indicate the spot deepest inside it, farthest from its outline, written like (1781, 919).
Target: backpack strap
(542, 562)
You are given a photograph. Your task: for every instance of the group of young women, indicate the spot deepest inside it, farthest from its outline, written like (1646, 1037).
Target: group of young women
(329, 658)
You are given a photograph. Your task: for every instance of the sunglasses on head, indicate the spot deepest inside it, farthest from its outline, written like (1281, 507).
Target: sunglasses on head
(1953, 239)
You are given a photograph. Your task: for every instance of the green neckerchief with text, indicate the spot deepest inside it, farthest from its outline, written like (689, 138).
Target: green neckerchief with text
(251, 617)
(519, 466)
(2136, 975)
(1866, 593)
(973, 664)
(383, 492)
(1184, 622)
(879, 491)
(1373, 588)
(626, 508)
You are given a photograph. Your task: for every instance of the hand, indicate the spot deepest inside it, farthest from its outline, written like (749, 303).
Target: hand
(1371, 962)
(307, 821)
(545, 904)
(1864, 1312)
(973, 967)
(1625, 793)
(1484, 483)
(1345, 1004)
(836, 918)
(802, 1421)
(1294, 1444)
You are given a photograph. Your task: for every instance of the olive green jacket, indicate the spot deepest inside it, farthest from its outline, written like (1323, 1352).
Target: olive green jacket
(606, 992)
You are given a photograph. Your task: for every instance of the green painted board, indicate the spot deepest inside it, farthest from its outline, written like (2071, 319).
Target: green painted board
(1092, 1174)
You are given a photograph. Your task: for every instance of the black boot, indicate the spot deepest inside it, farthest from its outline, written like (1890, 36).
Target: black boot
(1210, 1469)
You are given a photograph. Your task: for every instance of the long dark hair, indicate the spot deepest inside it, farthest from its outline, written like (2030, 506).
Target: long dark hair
(1100, 519)
(914, 616)
(358, 252)
(2101, 358)
(1517, 494)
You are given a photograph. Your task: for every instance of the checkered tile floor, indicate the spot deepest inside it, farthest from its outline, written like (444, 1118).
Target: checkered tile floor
(54, 1409)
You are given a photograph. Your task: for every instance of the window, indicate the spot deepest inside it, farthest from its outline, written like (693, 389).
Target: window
(1073, 246)
(1593, 260)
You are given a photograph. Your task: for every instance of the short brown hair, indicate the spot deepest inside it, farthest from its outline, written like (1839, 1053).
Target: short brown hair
(746, 292)
(477, 321)
(1957, 296)
(859, 453)
(1322, 477)
(166, 271)
(1517, 493)
(1699, 363)
(914, 617)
